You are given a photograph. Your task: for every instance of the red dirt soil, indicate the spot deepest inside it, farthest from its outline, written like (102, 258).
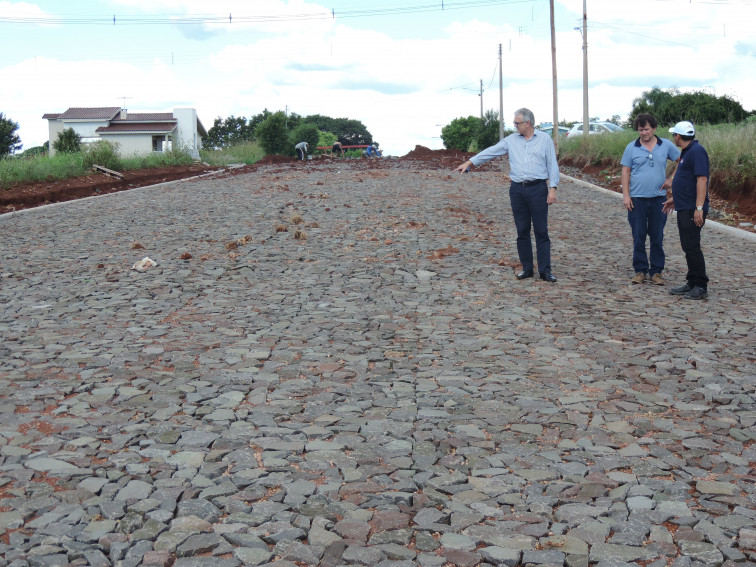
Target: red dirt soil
(740, 206)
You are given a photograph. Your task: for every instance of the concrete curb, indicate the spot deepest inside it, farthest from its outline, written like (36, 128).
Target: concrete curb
(744, 234)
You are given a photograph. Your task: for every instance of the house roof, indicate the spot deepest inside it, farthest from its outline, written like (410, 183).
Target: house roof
(124, 127)
(146, 117)
(74, 113)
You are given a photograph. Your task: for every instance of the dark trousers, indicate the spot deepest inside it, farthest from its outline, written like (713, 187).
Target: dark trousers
(647, 220)
(300, 154)
(690, 240)
(529, 208)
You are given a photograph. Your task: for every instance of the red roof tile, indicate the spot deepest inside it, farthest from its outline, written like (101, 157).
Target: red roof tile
(147, 117)
(99, 113)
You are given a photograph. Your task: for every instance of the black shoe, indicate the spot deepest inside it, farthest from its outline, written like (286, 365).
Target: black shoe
(682, 290)
(525, 274)
(697, 293)
(548, 277)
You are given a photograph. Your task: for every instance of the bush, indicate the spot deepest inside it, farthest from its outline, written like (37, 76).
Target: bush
(304, 133)
(102, 153)
(488, 132)
(68, 142)
(272, 134)
(459, 134)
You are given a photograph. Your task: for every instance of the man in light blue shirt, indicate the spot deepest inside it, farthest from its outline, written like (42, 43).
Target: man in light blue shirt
(644, 180)
(534, 172)
(301, 148)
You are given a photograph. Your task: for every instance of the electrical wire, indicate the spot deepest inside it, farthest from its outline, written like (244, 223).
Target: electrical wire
(231, 19)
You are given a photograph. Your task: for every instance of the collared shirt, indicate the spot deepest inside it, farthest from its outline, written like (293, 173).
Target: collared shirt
(528, 159)
(694, 163)
(648, 170)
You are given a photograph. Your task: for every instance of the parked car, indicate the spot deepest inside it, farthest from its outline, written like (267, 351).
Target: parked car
(595, 128)
(562, 130)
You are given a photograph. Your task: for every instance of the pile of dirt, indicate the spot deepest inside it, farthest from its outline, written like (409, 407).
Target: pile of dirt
(276, 160)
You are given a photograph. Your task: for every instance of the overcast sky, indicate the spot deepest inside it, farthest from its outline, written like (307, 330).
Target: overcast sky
(405, 68)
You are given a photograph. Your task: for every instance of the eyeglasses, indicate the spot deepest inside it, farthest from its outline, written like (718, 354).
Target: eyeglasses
(650, 159)
(517, 124)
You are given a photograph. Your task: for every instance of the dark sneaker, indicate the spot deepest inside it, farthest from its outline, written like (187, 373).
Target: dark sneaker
(682, 290)
(697, 293)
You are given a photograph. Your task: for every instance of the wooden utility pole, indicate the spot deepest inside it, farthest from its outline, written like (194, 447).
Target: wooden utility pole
(555, 119)
(501, 99)
(481, 99)
(586, 117)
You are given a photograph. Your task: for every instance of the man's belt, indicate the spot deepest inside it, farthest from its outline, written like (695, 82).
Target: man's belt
(530, 182)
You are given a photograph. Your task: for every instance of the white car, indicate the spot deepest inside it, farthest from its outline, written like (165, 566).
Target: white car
(594, 128)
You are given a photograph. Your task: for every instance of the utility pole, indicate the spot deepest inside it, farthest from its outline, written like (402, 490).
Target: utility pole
(586, 118)
(555, 119)
(481, 99)
(501, 99)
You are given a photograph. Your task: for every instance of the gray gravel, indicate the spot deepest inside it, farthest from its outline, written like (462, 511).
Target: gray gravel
(370, 386)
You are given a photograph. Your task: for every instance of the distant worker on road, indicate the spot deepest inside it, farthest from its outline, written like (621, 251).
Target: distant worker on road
(372, 151)
(301, 148)
(337, 148)
(644, 188)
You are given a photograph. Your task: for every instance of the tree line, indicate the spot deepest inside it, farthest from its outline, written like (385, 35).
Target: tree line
(667, 106)
(278, 132)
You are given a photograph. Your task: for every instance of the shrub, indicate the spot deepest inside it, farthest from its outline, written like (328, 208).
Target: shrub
(273, 135)
(102, 153)
(68, 142)
(305, 132)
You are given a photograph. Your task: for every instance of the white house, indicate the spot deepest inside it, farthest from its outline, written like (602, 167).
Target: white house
(135, 133)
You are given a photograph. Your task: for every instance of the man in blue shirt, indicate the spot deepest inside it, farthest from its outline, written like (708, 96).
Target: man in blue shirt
(534, 172)
(644, 180)
(372, 151)
(690, 198)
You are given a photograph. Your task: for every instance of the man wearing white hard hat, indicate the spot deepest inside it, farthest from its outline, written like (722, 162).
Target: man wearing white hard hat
(690, 198)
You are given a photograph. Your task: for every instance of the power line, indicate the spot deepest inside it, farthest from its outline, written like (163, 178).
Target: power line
(231, 19)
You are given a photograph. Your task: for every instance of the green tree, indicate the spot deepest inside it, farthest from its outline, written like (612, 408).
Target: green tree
(230, 131)
(68, 142)
(305, 132)
(671, 106)
(10, 143)
(273, 135)
(326, 138)
(349, 132)
(488, 133)
(460, 133)
(36, 150)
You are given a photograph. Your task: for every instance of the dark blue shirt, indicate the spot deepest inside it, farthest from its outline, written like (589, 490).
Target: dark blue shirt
(694, 163)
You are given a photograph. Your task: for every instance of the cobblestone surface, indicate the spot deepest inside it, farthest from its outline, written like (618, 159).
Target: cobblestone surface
(334, 365)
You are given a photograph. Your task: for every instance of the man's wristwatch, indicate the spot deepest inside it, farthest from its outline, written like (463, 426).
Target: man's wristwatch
(699, 208)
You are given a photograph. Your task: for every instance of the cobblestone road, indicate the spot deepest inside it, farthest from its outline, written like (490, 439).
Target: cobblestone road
(336, 366)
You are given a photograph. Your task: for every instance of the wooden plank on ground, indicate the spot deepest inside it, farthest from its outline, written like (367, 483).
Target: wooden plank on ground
(107, 171)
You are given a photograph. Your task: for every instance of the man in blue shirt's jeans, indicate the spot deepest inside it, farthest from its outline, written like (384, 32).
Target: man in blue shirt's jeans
(534, 172)
(644, 180)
